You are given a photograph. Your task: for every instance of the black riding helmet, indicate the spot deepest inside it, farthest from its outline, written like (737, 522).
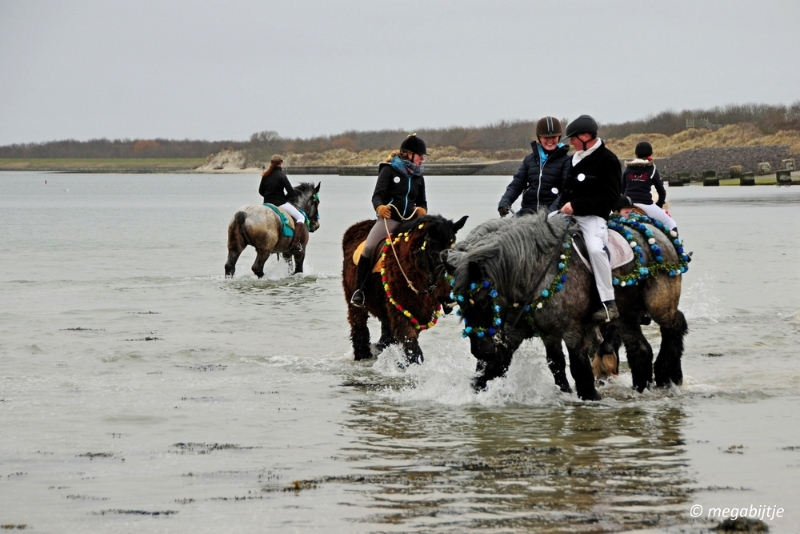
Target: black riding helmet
(583, 124)
(414, 144)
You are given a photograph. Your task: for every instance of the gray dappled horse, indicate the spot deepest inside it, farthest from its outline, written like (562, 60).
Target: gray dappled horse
(260, 227)
(512, 283)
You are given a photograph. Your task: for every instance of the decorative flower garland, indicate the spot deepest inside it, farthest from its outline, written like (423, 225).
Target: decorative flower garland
(641, 271)
(385, 281)
(538, 303)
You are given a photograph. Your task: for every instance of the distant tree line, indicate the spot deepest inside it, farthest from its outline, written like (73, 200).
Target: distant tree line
(503, 135)
(767, 118)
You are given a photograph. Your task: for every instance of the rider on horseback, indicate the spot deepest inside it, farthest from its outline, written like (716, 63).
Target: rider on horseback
(399, 195)
(542, 173)
(276, 190)
(639, 178)
(590, 192)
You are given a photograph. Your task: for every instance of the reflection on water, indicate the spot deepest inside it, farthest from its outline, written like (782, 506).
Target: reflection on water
(543, 469)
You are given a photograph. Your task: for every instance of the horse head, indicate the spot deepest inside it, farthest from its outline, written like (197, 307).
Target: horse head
(425, 239)
(497, 273)
(307, 200)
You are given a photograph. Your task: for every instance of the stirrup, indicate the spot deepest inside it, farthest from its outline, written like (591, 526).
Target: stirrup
(357, 299)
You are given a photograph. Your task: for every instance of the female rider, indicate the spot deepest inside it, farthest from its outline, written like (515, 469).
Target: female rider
(542, 174)
(639, 178)
(399, 195)
(276, 190)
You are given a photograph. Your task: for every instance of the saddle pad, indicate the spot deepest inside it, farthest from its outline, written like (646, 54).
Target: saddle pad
(357, 256)
(618, 248)
(288, 230)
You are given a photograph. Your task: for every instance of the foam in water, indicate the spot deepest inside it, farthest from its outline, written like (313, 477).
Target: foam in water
(698, 301)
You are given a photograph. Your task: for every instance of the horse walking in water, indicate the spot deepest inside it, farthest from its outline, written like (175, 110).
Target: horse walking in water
(406, 295)
(260, 227)
(518, 282)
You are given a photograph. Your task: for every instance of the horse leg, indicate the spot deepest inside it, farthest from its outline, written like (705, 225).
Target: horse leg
(494, 360)
(233, 256)
(640, 354)
(359, 333)
(387, 338)
(411, 349)
(581, 368)
(299, 258)
(606, 361)
(556, 362)
(668, 364)
(258, 266)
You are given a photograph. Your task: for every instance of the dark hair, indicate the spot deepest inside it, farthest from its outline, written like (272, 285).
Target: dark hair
(643, 150)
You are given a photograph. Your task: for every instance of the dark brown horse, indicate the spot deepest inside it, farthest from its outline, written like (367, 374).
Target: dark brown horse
(407, 294)
(261, 228)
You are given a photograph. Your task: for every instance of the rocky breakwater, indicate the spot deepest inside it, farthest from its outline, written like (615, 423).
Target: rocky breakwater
(696, 160)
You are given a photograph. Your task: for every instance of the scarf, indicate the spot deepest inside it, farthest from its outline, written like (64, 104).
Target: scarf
(407, 167)
(543, 155)
(581, 154)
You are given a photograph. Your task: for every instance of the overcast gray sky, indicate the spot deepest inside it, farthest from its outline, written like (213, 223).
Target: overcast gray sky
(84, 69)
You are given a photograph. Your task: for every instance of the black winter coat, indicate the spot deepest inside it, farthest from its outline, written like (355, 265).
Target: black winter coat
(539, 184)
(404, 192)
(272, 188)
(639, 177)
(593, 185)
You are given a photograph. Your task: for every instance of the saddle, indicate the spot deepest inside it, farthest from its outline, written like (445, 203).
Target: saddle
(376, 258)
(619, 251)
(287, 227)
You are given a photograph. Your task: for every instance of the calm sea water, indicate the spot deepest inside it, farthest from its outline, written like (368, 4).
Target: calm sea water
(141, 391)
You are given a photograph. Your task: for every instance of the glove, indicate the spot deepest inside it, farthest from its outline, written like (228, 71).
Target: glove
(421, 212)
(384, 211)
(503, 211)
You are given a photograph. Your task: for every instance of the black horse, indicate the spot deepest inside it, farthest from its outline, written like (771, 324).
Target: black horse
(517, 281)
(408, 292)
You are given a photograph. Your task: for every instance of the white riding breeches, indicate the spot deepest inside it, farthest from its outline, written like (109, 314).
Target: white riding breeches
(296, 215)
(658, 214)
(595, 234)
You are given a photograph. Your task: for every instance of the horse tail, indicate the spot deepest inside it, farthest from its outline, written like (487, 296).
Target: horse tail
(236, 233)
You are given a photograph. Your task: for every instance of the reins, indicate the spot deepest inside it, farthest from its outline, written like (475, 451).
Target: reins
(391, 242)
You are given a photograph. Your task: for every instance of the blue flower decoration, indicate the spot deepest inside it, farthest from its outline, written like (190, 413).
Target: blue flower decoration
(473, 286)
(493, 293)
(545, 293)
(480, 334)
(498, 321)
(559, 287)
(485, 283)
(491, 331)
(497, 308)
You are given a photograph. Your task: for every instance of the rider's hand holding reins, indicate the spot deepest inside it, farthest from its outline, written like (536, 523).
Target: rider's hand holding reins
(503, 210)
(567, 208)
(421, 212)
(384, 211)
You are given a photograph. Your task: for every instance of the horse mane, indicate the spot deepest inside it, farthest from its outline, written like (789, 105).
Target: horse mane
(516, 256)
(482, 230)
(303, 193)
(412, 224)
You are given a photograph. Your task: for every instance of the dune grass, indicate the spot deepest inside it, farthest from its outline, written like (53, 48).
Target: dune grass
(99, 164)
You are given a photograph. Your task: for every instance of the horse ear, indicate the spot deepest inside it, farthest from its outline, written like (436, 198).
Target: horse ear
(316, 189)
(450, 260)
(459, 224)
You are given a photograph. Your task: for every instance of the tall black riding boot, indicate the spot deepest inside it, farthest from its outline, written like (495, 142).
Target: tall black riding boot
(300, 231)
(362, 273)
